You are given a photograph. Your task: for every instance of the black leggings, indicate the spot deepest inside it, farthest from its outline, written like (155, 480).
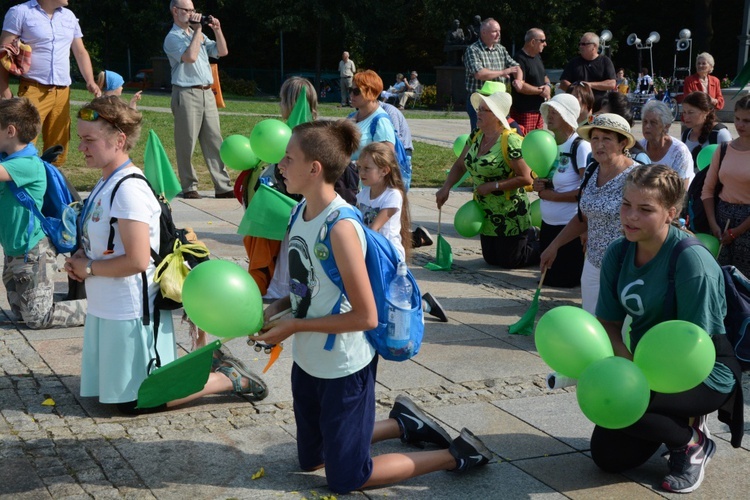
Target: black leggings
(511, 252)
(566, 273)
(665, 421)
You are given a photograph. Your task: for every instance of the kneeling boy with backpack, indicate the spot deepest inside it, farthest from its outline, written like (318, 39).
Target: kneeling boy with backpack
(30, 255)
(334, 389)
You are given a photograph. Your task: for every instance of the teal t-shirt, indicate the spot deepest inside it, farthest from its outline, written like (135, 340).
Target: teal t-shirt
(27, 172)
(640, 291)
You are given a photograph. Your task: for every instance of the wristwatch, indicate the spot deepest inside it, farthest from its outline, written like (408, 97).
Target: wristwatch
(89, 269)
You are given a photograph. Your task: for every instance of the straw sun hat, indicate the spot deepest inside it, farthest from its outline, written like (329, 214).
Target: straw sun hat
(610, 122)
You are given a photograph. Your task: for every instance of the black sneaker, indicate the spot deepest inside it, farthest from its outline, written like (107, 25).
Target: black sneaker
(420, 237)
(435, 309)
(469, 451)
(687, 465)
(416, 427)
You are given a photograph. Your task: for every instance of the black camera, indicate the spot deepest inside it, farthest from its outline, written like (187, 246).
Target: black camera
(205, 19)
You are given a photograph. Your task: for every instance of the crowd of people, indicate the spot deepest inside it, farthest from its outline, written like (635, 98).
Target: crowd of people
(609, 207)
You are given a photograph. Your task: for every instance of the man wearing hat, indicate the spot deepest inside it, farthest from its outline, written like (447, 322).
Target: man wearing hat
(591, 67)
(487, 60)
(536, 88)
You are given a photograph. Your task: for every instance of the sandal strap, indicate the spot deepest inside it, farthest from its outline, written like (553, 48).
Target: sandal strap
(233, 375)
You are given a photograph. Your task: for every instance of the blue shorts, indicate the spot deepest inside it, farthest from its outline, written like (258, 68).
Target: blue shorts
(335, 420)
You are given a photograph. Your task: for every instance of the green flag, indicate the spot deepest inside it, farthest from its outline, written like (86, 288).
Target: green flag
(301, 112)
(158, 169)
(742, 79)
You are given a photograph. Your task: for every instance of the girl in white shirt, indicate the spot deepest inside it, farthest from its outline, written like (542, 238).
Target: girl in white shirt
(385, 207)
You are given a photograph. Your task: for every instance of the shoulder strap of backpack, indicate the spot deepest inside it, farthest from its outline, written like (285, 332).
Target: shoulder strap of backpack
(590, 169)
(574, 151)
(669, 301)
(329, 263)
(111, 247)
(713, 136)
(685, 134)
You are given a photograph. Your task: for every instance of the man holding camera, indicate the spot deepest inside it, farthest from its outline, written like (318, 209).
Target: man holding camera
(196, 116)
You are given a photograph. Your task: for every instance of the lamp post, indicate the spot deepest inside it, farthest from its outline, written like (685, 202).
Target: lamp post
(683, 43)
(605, 37)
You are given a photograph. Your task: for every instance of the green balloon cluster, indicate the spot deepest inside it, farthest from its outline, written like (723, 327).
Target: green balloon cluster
(269, 139)
(535, 210)
(675, 356)
(704, 156)
(539, 150)
(613, 393)
(569, 339)
(237, 154)
(469, 219)
(221, 298)
(711, 242)
(460, 143)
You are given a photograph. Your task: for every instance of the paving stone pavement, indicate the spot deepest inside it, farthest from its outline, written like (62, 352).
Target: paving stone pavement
(470, 373)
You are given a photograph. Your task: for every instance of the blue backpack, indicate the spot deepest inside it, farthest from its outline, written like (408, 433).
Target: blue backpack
(57, 217)
(404, 161)
(381, 261)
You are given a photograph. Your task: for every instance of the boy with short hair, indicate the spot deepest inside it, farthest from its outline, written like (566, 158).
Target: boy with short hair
(334, 388)
(30, 258)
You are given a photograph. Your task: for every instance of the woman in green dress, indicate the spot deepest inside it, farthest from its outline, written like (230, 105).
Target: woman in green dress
(492, 156)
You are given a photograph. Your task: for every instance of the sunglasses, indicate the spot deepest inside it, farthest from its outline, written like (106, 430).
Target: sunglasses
(354, 91)
(90, 115)
(541, 40)
(189, 11)
(582, 44)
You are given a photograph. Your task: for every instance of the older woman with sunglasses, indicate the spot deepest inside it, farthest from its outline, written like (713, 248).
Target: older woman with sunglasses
(507, 237)
(117, 344)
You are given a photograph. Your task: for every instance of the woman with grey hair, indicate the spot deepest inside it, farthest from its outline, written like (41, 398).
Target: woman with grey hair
(660, 146)
(703, 81)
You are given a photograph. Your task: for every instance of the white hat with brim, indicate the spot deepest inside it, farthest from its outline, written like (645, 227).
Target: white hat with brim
(610, 122)
(499, 103)
(566, 105)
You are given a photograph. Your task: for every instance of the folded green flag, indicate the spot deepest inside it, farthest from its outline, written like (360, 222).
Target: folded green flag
(301, 112)
(158, 169)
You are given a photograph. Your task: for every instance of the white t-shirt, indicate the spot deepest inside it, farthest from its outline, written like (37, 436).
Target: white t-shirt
(565, 178)
(390, 198)
(678, 158)
(118, 298)
(724, 135)
(314, 295)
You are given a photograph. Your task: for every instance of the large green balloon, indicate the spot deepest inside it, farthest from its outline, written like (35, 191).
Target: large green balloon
(539, 149)
(675, 356)
(460, 143)
(469, 219)
(237, 154)
(613, 393)
(569, 339)
(711, 242)
(704, 157)
(535, 210)
(221, 298)
(269, 139)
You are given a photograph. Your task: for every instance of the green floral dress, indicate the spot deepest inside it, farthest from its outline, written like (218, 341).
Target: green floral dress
(507, 212)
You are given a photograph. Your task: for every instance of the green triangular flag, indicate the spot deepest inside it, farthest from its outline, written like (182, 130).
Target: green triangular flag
(158, 169)
(301, 112)
(742, 79)
(443, 256)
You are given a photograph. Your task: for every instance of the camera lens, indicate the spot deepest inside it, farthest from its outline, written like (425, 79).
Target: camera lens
(205, 20)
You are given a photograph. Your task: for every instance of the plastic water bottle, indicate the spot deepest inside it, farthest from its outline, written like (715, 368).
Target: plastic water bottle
(399, 295)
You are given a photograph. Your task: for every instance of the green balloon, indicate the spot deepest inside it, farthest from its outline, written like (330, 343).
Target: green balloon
(613, 393)
(221, 298)
(469, 219)
(460, 143)
(711, 242)
(675, 356)
(535, 210)
(269, 139)
(704, 157)
(237, 154)
(539, 150)
(569, 339)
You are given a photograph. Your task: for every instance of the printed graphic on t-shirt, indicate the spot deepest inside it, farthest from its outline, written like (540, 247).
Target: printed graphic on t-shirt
(368, 213)
(303, 283)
